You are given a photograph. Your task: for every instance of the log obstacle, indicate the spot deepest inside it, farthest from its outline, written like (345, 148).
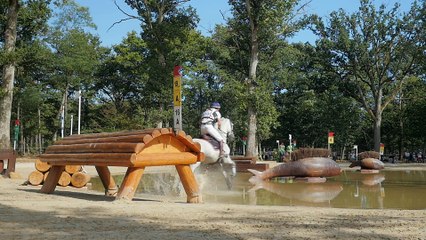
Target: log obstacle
(10, 156)
(71, 176)
(132, 149)
(243, 163)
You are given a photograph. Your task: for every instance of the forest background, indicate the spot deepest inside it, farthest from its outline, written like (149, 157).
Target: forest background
(363, 79)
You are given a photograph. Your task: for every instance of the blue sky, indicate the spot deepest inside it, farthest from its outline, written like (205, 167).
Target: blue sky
(105, 14)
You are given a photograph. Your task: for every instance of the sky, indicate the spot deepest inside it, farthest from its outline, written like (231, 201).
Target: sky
(105, 14)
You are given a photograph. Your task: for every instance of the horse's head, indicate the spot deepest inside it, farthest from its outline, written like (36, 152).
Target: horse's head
(226, 129)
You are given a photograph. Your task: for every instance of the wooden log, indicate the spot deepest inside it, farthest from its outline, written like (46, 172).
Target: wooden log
(243, 158)
(130, 183)
(165, 131)
(54, 159)
(35, 178)
(156, 133)
(161, 159)
(181, 135)
(52, 180)
(80, 179)
(111, 134)
(96, 148)
(147, 138)
(123, 139)
(94, 162)
(45, 176)
(110, 186)
(189, 184)
(41, 166)
(64, 179)
(71, 169)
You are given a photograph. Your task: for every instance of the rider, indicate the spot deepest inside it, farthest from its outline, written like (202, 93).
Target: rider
(208, 120)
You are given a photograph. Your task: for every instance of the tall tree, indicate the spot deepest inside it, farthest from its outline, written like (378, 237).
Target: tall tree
(254, 33)
(6, 95)
(372, 52)
(21, 25)
(120, 84)
(76, 51)
(165, 29)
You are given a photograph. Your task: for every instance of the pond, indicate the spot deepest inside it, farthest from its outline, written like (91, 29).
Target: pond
(389, 189)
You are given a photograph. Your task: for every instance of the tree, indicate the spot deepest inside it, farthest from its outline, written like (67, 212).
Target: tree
(371, 52)
(120, 84)
(166, 26)
(76, 51)
(22, 23)
(253, 35)
(6, 95)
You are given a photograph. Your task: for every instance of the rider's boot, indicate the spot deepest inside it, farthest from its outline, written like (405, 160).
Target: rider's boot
(221, 152)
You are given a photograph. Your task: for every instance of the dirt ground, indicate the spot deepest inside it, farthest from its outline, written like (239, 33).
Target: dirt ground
(71, 213)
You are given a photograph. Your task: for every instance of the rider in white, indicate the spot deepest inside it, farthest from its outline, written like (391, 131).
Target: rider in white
(208, 120)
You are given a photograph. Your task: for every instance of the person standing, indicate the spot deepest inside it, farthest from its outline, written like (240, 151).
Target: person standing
(209, 119)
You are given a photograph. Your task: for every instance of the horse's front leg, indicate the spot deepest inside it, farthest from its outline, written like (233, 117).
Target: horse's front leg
(195, 166)
(231, 164)
(228, 170)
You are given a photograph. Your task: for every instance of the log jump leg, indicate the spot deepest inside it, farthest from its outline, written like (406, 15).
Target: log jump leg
(189, 183)
(111, 188)
(52, 179)
(11, 163)
(130, 183)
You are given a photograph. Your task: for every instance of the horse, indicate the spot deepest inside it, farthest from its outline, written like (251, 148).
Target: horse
(226, 164)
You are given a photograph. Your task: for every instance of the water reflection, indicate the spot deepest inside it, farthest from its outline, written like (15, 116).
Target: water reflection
(302, 191)
(351, 189)
(370, 183)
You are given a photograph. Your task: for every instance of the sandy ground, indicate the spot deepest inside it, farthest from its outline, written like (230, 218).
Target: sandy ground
(71, 213)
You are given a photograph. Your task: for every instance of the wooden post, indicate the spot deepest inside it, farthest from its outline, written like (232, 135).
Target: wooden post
(52, 179)
(107, 180)
(189, 183)
(130, 183)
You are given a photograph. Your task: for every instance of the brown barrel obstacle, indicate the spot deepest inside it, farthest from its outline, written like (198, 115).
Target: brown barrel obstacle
(10, 156)
(132, 149)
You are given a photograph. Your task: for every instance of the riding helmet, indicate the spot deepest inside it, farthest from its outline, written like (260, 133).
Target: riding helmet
(215, 105)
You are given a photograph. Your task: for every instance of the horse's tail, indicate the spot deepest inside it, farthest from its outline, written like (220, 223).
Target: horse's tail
(257, 176)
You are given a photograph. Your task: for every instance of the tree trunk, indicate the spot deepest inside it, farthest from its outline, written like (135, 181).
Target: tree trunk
(251, 138)
(254, 60)
(6, 95)
(401, 129)
(377, 126)
(378, 120)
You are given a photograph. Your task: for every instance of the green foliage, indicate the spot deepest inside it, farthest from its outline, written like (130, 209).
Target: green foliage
(371, 52)
(165, 28)
(298, 89)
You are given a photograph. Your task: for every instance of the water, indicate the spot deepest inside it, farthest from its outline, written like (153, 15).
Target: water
(389, 189)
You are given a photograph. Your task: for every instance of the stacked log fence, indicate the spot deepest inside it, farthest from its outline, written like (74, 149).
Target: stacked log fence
(72, 175)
